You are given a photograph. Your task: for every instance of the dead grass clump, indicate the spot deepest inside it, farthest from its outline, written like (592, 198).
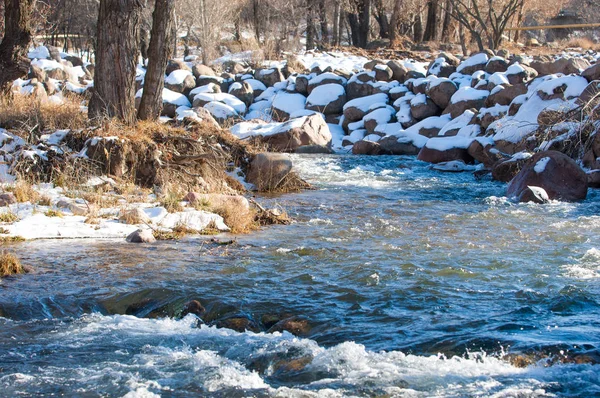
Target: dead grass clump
(171, 201)
(100, 200)
(24, 192)
(54, 213)
(8, 217)
(4, 230)
(585, 43)
(44, 200)
(11, 239)
(9, 264)
(240, 220)
(26, 113)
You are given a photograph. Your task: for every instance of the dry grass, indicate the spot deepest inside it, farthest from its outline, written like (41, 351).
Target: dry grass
(11, 239)
(172, 201)
(4, 230)
(44, 200)
(239, 219)
(9, 264)
(8, 217)
(584, 43)
(54, 213)
(25, 113)
(24, 192)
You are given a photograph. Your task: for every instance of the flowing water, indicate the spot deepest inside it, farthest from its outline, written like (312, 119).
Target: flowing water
(412, 283)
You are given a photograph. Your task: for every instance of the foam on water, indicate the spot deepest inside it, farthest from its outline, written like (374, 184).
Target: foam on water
(586, 267)
(157, 356)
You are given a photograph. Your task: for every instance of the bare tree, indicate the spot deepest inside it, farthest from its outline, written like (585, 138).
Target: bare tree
(485, 19)
(116, 55)
(15, 43)
(159, 52)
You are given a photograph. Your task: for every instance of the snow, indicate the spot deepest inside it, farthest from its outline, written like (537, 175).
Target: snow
(498, 78)
(541, 164)
(47, 64)
(256, 85)
(248, 129)
(468, 94)
(171, 97)
(220, 110)
(437, 66)
(337, 136)
(325, 94)
(457, 123)
(327, 76)
(575, 85)
(448, 143)
(477, 59)
(419, 99)
(40, 52)
(437, 81)
(210, 88)
(496, 110)
(225, 98)
(381, 115)
(364, 103)
(288, 103)
(178, 76)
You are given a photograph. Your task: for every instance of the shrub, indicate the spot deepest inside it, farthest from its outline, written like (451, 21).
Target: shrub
(9, 264)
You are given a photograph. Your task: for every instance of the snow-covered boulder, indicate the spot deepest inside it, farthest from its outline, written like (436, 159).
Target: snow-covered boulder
(202, 70)
(445, 149)
(555, 173)
(504, 95)
(517, 73)
(181, 81)
(269, 77)
(322, 79)
(357, 108)
(473, 63)
(422, 107)
(399, 71)
(284, 104)
(288, 136)
(441, 91)
(466, 98)
(378, 117)
(202, 99)
(328, 99)
(496, 64)
(221, 112)
(242, 91)
(366, 147)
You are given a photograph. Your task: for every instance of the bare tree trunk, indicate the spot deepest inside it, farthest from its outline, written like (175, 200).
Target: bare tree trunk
(256, 20)
(447, 18)
(116, 56)
(418, 28)
(353, 24)
(382, 20)
(519, 21)
(310, 25)
(159, 53)
(323, 22)
(394, 22)
(463, 41)
(15, 43)
(431, 23)
(365, 22)
(336, 24)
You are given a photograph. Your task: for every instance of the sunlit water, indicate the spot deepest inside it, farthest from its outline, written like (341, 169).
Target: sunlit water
(414, 283)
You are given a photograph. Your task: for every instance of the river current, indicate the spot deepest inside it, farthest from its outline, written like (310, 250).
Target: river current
(412, 283)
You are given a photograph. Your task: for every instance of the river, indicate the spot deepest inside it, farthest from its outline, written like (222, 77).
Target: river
(412, 282)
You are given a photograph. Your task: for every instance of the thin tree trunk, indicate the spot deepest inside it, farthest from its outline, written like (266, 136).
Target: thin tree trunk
(256, 20)
(382, 20)
(15, 43)
(116, 55)
(394, 22)
(447, 20)
(159, 53)
(310, 25)
(431, 23)
(354, 29)
(336, 24)
(519, 21)
(418, 29)
(323, 22)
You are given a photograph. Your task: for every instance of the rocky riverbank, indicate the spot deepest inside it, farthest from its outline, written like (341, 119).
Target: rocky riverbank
(529, 120)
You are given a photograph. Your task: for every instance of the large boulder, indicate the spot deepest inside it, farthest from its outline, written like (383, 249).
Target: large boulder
(378, 117)
(422, 107)
(304, 131)
(466, 98)
(202, 70)
(269, 77)
(517, 73)
(173, 65)
(395, 146)
(555, 173)
(446, 149)
(242, 91)
(441, 91)
(368, 148)
(399, 71)
(592, 73)
(284, 104)
(180, 81)
(473, 64)
(269, 170)
(504, 96)
(328, 99)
